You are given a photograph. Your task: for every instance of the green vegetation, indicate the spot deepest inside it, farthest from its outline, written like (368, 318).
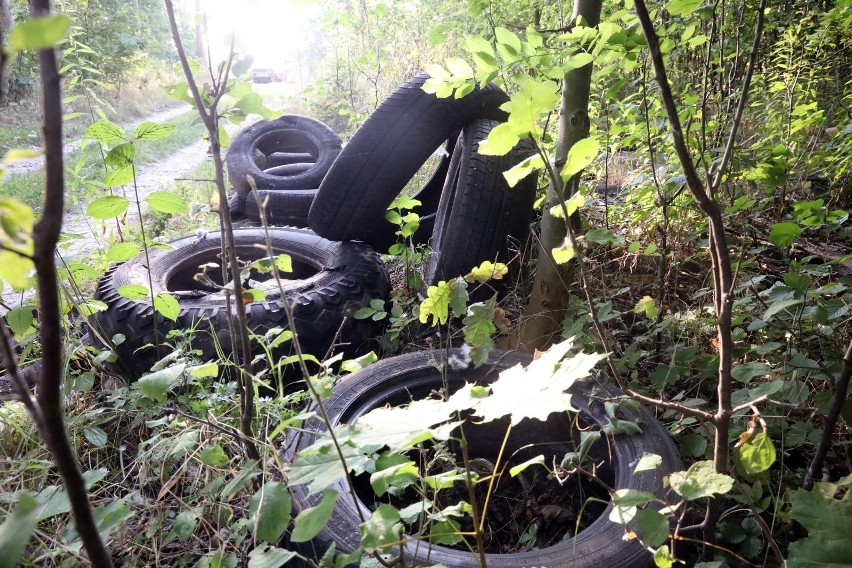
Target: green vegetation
(703, 220)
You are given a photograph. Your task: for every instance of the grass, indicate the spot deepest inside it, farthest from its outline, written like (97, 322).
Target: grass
(87, 161)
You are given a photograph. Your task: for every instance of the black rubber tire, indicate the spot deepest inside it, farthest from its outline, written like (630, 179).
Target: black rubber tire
(288, 208)
(285, 170)
(329, 282)
(284, 158)
(479, 212)
(384, 154)
(237, 207)
(292, 134)
(399, 379)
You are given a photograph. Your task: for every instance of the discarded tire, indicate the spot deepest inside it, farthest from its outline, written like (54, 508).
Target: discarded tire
(399, 379)
(386, 152)
(275, 144)
(328, 283)
(280, 207)
(479, 213)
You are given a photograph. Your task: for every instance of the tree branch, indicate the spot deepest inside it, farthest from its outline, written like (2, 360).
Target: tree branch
(45, 236)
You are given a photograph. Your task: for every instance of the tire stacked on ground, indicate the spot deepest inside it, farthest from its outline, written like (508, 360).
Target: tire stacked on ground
(384, 155)
(287, 159)
(400, 379)
(329, 282)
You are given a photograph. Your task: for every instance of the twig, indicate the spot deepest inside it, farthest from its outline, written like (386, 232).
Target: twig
(45, 236)
(700, 415)
(17, 251)
(236, 434)
(840, 390)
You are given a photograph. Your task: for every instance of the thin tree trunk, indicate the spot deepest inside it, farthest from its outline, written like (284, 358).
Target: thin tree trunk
(549, 298)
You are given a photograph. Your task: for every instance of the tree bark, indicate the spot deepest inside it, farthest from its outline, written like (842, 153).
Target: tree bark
(549, 298)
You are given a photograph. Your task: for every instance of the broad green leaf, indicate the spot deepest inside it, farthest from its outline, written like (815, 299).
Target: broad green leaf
(459, 68)
(539, 459)
(284, 262)
(105, 132)
(120, 252)
(603, 237)
(756, 455)
(14, 269)
(829, 524)
(745, 373)
(167, 202)
(311, 521)
(362, 362)
(17, 155)
(500, 141)
(701, 480)
(266, 556)
(781, 305)
(158, 384)
(534, 99)
(436, 304)
(252, 103)
(478, 329)
(16, 530)
(445, 532)
(184, 525)
(218, 559)
(121, 156)
(39, 33)
(214, 455)
(572, 205)
(224, 137)
(458, 297)
(167, 305)
(681, 7)
(663, 558)
(564, 252)
(522, 170)
(107, 207)
(652, 526)
(269, 509)
(320, 466)
(241, 479)
(648, 462)
(648, 306)
(133, 291)
(153, 131)
(783, 234)
(632, 498)
(381, 530)
(487, 271)
(96, 436)
(580, 155)
(205, 370)
(119, 177)
(20, 319)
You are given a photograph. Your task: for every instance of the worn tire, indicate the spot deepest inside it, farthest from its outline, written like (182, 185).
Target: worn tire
(399, 379)
(384, 154)
(479, 212)
(288, 134)
(285, 158)
(281, 207)
(329, 282)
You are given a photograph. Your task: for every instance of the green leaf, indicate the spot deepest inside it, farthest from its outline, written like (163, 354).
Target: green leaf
(105, 132)
(205, 370)
(693, 445)
(539, 459)
(121, 156)
(632, 498)
(663, 558)
(158, 384)
(580, 155)
(167, 202)
(284, 262)
(648, 306)
(479, 327)
(269, 509)
(266, 556)
(16, 530)
(20, 319)
(436, 304)
(500, 141)
(564, 252)
(522, 170)
(603, 237)
(107, 207)
(648, 462)
(214, 455)
(487, 271)
(224, 137)
(120, 252)
(756, 455)
(779, 305)
(39, 33)
(133, 291)
(749, 371)
(681, 7)
(311, 521)
(319, 466)
(119, 177)
(381, 530)
(534, 99)
(783, 234)
(652, 526)
(574, 204)
(153, 131)
(167, 305)
(829, 524)
(241, 479)
(362, 362)
(96, 436)
(701, 480)
(184, 525)
(458, 297)
(14, 269)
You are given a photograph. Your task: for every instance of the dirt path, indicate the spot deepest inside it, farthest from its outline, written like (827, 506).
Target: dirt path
(37, 163)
